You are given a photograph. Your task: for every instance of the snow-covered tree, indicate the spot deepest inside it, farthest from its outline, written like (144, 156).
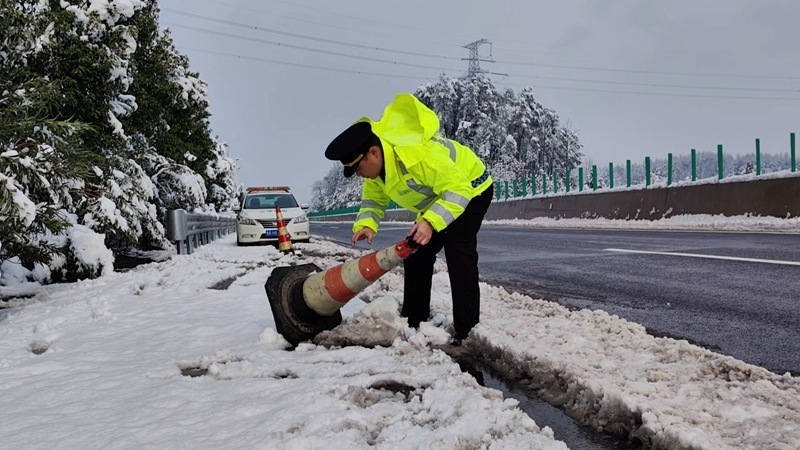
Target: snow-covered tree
(172, 121)
(335, 191)
(514, 135)
(39, 169)
(98, 136)
(63, 70)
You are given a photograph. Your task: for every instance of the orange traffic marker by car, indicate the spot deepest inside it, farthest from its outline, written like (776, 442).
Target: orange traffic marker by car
(284, 240)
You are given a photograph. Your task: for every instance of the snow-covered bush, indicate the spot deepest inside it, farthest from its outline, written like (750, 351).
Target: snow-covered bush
(103, 128)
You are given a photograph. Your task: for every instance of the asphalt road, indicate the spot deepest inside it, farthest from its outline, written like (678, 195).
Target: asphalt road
(748, 309)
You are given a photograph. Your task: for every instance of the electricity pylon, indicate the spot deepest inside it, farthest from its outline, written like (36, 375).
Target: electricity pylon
(474, 59)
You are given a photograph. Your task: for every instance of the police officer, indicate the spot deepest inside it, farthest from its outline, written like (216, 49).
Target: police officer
(403, 158)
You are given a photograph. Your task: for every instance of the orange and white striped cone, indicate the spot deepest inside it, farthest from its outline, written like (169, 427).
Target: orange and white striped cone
(305, 301)
(284, 240)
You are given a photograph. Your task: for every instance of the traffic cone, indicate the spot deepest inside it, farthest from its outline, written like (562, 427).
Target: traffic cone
(284, 241)
(306, 301)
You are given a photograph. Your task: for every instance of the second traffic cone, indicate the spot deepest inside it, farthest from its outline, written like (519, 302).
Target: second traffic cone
(284, 240)
(305, 303)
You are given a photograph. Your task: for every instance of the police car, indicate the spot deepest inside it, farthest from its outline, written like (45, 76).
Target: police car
(257, 221)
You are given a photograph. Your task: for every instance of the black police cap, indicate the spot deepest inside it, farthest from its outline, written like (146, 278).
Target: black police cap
(351, 146)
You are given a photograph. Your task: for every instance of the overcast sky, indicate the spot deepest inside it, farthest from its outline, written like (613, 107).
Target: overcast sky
(634, 78)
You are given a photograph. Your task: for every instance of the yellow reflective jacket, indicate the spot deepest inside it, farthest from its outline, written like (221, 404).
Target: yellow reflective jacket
(424, 172)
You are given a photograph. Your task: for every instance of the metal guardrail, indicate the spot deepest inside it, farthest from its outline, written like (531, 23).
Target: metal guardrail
(191, 230)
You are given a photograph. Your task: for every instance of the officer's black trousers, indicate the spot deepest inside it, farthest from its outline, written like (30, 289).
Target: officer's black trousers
(460, 242)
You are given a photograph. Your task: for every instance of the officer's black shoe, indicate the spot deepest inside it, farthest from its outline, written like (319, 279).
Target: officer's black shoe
(413, 323)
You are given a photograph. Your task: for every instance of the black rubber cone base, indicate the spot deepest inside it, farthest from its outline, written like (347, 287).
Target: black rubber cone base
(294, 320)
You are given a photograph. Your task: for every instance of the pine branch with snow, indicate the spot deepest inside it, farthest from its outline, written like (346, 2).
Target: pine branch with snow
(103, 128)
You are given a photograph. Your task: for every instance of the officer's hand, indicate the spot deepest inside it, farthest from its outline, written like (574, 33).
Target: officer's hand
(421, 232)
(364, 233)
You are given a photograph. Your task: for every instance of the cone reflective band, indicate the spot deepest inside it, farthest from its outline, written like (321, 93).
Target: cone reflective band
(305, 301)
(328, 291)
(284, 242)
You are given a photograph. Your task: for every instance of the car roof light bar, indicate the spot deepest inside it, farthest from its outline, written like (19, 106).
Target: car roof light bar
(268, 188)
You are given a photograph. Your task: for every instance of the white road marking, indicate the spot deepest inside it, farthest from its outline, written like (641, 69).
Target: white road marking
(694, 255)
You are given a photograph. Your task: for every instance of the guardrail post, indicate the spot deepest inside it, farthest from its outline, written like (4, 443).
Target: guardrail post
(647, 170)
(515, 189)
(533, 185)
(594, 177)
(794, 154)
(694, 165)
(758, 156)
(669, 169)
(720, 174)
(497, 191)
(524, 187)
(176, 227)
(555, 181)
(580, 179)
(628, 171)
(568, 180)
(611, 175)
(506, 188)
(544, 183)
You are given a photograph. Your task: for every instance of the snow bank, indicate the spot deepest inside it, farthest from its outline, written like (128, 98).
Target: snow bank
(612, 375)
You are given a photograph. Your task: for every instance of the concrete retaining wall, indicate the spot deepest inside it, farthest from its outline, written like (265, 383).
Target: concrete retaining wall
(779, 197)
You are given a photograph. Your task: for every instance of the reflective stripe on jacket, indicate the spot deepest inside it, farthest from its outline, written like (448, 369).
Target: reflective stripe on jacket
(424, 172)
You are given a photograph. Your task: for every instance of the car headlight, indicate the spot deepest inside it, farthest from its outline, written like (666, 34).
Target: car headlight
(300, 219)
(247, 221)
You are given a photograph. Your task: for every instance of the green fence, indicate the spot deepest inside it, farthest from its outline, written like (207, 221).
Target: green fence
(559, 178)
(517, 188)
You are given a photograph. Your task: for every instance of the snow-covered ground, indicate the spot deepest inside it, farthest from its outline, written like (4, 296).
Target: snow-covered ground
(106, 363)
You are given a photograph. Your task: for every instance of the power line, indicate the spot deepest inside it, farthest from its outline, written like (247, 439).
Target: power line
(307, 66)
(362, 19)
(677, 86)
(304, 36)
(475, 69)
(395, 75)
(273, 14)
(592, 48)
(649, 72)
(428, 55)
(315, 50)
(658, 94)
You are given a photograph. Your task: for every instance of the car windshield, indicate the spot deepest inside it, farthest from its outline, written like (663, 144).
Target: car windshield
(269, 201)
